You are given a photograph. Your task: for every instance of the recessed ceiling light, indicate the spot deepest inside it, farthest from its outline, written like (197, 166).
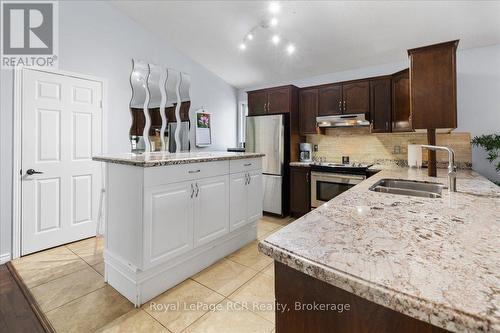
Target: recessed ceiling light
(274, 7)
(273, 22)
(243, 46)
(250, 37)
(290, 48)
(276, 39)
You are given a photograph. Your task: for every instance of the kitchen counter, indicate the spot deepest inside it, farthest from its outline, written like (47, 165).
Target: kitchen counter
(436, 260)
(164, 158)
(169, 222)
(300, 164)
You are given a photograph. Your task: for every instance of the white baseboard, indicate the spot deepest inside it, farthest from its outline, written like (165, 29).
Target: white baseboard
(4, 258)
(141, 286)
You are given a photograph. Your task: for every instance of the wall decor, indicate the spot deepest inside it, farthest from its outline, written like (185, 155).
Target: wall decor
(160, 101)
(203, 128)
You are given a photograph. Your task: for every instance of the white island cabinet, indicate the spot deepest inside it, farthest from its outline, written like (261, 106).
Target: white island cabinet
(168, 216)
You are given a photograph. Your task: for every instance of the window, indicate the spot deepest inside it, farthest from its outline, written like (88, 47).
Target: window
(242, 114)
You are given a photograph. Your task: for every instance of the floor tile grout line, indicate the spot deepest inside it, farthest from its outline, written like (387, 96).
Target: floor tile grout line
(191, 278)
(76, 254)
(77, 298)
(233, 301)
(58, 277)
(244, 264)
(91, 266)
(255, 312)
(256, 272)
(203, 315)
(63, 275)
(141, 309)
(252, 278)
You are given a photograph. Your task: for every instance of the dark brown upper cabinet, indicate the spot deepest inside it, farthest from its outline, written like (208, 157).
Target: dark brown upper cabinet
(308, 110)
(380, 105)
(300, 191)
(356, 97)
(278, 100)
(271, 101)
(330, 100)
(433, 86)
(257, 103)
(401, 120)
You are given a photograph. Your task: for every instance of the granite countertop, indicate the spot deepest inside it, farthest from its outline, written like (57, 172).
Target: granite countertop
(437, 260)
(300, 164)
(388, 164)
(164, 158)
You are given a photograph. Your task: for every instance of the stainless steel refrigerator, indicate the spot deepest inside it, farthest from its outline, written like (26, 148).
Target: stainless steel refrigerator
(266, 134)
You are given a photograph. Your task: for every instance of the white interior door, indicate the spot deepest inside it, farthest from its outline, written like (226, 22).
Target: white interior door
(61, 130)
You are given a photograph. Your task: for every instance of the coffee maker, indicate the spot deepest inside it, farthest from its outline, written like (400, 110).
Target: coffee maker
(306, 150)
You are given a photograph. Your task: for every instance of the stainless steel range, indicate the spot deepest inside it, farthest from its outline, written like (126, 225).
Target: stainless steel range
(331, 179)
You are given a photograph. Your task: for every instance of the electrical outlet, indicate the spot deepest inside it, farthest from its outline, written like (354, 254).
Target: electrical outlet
(397, 149)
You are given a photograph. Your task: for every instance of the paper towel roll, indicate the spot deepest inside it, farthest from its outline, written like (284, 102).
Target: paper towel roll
(414, 156)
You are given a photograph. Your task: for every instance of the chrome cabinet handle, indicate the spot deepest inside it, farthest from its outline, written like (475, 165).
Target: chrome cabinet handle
(194, 171)
(32, 172)
(386, 125)
(268, 106)
(246, 179)
(340, 106)
(344, 106)
(249, 179)
(247, 164)
(197, 190)
(192, 190)
(307, 177)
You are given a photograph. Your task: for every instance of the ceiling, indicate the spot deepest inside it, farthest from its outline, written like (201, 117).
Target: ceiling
(329, 36)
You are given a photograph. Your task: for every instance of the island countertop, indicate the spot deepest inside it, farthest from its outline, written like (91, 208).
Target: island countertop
(436, 260)
(164, 158)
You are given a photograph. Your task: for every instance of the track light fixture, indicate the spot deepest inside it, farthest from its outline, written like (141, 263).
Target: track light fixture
(265, 25)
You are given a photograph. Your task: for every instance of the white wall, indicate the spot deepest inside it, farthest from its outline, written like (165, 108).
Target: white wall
(478, 99)
(478, 94)
(97, 39)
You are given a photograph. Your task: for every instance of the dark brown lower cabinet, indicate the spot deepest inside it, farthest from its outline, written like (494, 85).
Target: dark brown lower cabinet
(300, 191)
(299, 292)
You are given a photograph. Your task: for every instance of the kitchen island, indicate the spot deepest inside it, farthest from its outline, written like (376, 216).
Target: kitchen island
(402, 263)
(168, 216)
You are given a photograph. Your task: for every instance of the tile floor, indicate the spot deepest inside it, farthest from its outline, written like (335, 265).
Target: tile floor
(67, 282)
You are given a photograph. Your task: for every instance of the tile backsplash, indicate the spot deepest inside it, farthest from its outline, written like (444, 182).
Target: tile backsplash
(362, 146)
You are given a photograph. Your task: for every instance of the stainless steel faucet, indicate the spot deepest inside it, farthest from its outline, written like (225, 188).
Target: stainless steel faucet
(452, 169)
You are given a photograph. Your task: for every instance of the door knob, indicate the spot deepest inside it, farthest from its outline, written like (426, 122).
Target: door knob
(32, 172)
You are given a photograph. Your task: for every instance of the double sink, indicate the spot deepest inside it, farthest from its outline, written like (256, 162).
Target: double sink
(408, 187)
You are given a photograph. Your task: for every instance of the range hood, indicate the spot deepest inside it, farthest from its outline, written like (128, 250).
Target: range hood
(345, 120)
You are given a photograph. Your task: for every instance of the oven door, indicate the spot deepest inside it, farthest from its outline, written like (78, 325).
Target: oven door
(326, 186)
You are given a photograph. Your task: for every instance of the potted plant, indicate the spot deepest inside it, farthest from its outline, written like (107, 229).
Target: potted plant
(490, 143)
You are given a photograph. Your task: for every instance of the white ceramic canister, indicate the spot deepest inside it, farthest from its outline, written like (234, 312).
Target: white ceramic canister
(414, 156)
